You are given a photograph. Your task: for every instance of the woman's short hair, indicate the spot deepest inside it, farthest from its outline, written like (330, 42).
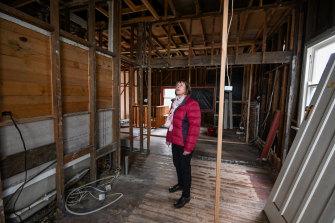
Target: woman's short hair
(188, 86)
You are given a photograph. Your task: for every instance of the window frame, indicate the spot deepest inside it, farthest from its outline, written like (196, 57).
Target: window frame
(311, 47)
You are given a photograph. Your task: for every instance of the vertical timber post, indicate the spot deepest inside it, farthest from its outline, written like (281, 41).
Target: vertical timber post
(222, 84)
(57, 97)
(92, 85)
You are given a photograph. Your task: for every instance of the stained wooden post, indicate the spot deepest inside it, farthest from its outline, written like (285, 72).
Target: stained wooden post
(249, 101)
(282, 110)
(131, 114)
(92, 85)
(124, 95)
(221, 107)
(131, 92)
(140, 54)
(56, 95)
(149, 90)
(114, 46)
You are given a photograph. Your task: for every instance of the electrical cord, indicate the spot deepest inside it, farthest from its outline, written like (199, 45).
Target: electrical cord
(85, 192)
(25, 165)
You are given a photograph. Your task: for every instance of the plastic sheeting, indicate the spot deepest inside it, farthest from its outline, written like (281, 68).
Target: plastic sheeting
(204, 96)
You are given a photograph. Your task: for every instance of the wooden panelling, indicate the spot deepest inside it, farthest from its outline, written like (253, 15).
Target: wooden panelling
(14, 164)
(24, 71)
(74, 71)
(104, 81)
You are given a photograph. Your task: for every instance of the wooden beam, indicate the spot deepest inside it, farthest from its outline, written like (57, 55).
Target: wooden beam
(151, 9)
(131, 114)
(264, 36)
(19, 4)
(203, 34)
(25, 17)
(77, 154)
(92, 86)
(212, 45)
(184, 31)
(249, 101)
(254, 9)
(102, 10)
(246, 58)
(131, 5)
(221, 107)
(115, 36)
(149, 93)
(141, 8)
(124, 95)
(56, 95)
(14, 164)
(140, 58)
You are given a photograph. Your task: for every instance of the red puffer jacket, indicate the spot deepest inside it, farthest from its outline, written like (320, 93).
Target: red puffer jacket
(186, 125)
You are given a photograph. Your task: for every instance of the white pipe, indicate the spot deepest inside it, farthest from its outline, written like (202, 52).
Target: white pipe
(44, 175)
(46, 197)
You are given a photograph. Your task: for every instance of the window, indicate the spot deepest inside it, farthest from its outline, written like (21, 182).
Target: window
(168, 95)
(317, 54)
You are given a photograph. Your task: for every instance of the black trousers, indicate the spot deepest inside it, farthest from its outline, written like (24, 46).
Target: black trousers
(183, 168)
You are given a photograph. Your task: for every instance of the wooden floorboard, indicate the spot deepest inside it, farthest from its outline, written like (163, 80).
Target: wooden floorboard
(244, 191)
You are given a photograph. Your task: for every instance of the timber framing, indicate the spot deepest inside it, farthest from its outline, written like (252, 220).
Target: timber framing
(248, 58)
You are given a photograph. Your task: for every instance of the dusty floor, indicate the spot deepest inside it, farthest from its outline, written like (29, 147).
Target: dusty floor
(231, 152)
(244, 190)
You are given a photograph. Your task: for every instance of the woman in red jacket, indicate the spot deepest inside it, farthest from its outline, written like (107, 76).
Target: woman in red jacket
(183, 125)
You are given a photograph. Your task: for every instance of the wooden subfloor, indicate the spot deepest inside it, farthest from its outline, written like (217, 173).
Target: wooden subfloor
(244, 191)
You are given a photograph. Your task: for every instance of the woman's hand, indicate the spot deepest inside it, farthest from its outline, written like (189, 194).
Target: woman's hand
(185, 153)
(168, 143)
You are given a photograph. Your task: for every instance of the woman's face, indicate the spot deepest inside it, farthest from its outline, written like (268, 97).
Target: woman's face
(180, 89)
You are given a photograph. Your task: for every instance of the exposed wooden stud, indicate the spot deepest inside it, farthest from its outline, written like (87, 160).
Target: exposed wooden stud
(92, 86)
(282, 110)
(149, 93)
(151, 9)
(124, 95)
(115, 37)
(131, 114)
(140, 58)
(169, 40)
(264, 36)
(221, 107)
(56, 95)
(166, 3)
(184, 31)
(203, 34)
(249, 101)
(190, 43)
(291, 43)
(212, 46)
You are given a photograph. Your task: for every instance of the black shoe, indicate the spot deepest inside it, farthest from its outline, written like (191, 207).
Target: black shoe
(175, 188)
(181, 202)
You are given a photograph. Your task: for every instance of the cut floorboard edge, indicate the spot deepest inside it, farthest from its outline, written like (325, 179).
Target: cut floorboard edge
(148, 200)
